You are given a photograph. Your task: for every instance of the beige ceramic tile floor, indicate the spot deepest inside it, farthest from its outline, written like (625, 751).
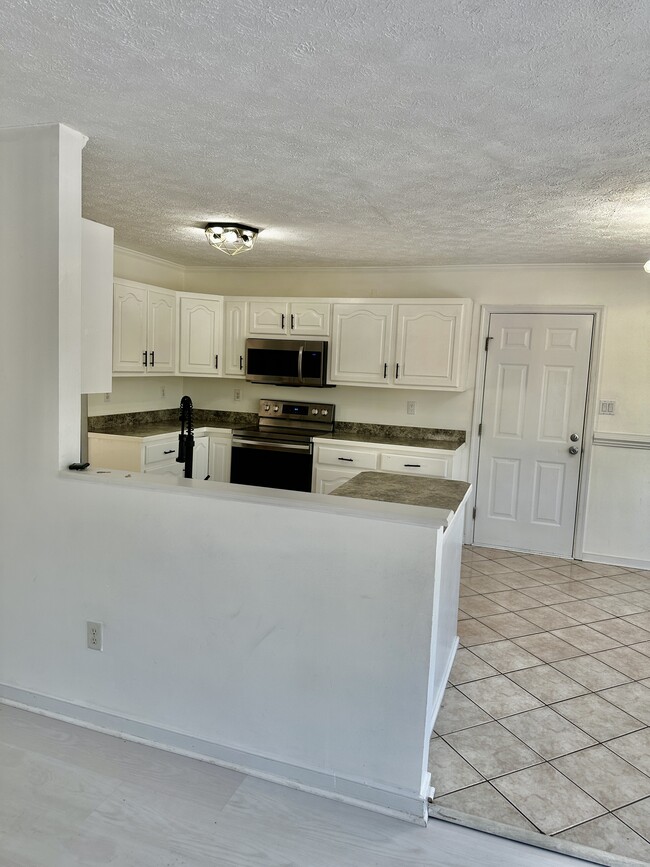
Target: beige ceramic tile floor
(545, 724)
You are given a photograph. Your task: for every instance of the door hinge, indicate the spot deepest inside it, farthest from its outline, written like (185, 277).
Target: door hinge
(480, 429)
(487, 342)
(474, 513)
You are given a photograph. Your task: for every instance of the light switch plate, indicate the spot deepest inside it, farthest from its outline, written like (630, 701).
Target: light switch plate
(607, 407)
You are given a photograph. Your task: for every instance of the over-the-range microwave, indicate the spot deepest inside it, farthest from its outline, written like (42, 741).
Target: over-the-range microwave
(287, 362)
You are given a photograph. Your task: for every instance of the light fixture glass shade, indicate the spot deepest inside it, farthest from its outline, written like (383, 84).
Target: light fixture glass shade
(233, 238)
(646, 267)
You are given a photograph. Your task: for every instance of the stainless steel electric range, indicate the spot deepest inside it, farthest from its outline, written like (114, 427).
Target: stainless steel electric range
(278, 452)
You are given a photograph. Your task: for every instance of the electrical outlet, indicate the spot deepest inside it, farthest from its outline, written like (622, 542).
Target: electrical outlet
(162, 390)
(607, 407)
(237, 394)
(94, 635)
(107, 397)
(410, 407)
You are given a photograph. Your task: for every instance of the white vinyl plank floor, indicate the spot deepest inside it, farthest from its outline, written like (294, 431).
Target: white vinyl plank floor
(71, 797)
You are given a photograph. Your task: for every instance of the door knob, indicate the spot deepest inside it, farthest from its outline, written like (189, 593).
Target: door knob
(573, 450)
(574, 438)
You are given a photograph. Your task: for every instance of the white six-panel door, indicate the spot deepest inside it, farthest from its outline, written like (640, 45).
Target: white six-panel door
(532, 426)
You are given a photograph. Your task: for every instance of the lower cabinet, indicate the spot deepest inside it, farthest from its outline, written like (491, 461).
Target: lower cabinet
(157, 455)
(335, 463)
(220, 459)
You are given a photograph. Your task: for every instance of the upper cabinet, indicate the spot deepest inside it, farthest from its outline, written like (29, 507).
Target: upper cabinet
(144, 329)
(361, 351)
(282, 318)
(410, 345)
(201, 335)
(236, 329)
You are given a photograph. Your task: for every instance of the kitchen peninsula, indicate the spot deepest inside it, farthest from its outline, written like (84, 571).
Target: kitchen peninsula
(331, 628)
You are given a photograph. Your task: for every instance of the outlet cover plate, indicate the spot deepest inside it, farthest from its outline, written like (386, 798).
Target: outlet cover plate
(94, 635)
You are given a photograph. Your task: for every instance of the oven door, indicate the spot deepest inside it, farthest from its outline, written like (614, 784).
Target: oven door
(271, 465)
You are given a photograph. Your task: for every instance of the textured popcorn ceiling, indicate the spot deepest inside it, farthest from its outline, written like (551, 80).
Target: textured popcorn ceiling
(376, 132)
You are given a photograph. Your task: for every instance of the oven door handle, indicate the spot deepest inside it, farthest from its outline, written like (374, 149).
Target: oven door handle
(270, 447)
(300, 352)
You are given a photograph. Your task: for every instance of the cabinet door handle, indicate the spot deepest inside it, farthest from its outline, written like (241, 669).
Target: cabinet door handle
(412, 465)
(144, 358)
(282, 325)
(169, 452)
(151, 354)
(293, 321)
(397, 370)
(216, 362)
(241, 362)
(385, 370)
(347, 459)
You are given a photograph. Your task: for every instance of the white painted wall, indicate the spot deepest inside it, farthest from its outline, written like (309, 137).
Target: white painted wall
(137, 394)
(301, 648)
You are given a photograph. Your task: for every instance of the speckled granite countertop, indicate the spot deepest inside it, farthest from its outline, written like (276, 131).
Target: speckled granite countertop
(409, 490)
(157, 422)
(148, 424)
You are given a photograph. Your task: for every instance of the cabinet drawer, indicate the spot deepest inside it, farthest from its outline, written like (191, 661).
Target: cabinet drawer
(417, 466)
(348, 458)
(167, 469)
(155, 452)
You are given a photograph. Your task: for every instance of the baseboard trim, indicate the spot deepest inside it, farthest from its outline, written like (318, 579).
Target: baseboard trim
(608, 560)
(397, 803)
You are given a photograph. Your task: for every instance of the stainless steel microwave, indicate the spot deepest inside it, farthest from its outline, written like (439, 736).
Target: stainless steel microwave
(287, 362)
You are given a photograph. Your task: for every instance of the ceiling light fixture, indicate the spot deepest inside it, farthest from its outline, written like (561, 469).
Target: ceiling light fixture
(646, 267)
(232, 238)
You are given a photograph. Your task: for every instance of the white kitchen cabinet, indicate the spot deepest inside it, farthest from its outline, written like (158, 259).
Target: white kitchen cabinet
(282, 318)
(200, 457)
(144, 329)
(235, 330)
(336, 462)
(408, 345)
(200, 335)
(430, 344)
(326, 479)
(361, 351)
(157, 454)
(220, 449)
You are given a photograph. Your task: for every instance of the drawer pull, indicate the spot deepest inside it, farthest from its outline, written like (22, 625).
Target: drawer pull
(412, 465)
(169, 452)
(347, 459)
(282, 324)
(293, 322)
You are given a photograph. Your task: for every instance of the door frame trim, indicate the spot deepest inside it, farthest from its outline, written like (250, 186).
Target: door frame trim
(593, 378)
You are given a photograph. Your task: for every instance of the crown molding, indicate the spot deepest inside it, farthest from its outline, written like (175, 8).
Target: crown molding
(147, 257)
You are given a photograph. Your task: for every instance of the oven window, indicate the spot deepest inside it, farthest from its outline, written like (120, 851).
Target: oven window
(290, 471)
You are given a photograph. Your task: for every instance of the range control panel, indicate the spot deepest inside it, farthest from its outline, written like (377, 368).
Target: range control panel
(301, 412)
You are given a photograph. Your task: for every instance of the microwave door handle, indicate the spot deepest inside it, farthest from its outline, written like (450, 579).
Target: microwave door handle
(300, 351)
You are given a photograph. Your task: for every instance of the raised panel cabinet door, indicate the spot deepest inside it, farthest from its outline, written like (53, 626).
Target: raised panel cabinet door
(326, 481)
(161, 316)
(200, 456)
(428, 345)
(361, 345)
(309, 319)
(200, 336)
(129, 328)
(235, 338)
(268, 317)
(220, 449)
